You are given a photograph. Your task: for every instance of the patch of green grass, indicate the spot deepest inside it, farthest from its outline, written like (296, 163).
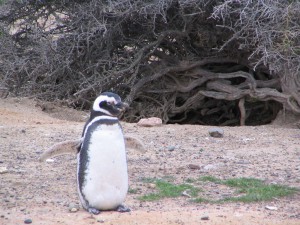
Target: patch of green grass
(169, 190)
(190, 180)
(254, 190)
(200, 200)
(168, 178)
(246, 189)
(148, 180)
(132, 191)
(251, 189)
(210, 179)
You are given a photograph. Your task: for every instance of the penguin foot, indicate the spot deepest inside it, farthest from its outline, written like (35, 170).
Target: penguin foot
(122, 209)
(93, 211)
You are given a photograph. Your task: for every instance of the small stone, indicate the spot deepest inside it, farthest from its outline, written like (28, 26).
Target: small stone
(28, 221)
(210, 167)
(73, 207)
(272, 208)
(171, 148)
(50, 160)
(205, 218)
(151, 185)
(3, 169)
(150, 122)
(193, 167)
(100, 221)
(73, 210)
(216, 132)
(186, 193)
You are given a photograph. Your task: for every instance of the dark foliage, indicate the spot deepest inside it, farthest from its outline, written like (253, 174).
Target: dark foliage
(189, 61)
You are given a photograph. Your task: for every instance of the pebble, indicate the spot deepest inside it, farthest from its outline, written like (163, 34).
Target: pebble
(272, 208)
(193, 167)
(210, 167)
(151, 185)
(171, 148)
(50, 160)
(216, 132)
(3, 169)
(28, 221)
(205, 218)
(73, 207)
(186, 193)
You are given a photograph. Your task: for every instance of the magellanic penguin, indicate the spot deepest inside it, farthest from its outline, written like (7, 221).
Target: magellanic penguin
(102, 165)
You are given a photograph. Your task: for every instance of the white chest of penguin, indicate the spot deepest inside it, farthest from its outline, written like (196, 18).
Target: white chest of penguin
(106, 179)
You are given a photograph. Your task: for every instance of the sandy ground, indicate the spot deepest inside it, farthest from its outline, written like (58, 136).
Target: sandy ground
(43, 192)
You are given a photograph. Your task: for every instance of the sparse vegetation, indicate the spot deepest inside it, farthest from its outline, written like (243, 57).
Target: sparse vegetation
(246, 190)
(168, 190)
(253, 190)
(132, 191)
(210, 179)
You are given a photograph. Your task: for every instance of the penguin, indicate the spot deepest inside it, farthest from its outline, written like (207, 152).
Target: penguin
(102, 175)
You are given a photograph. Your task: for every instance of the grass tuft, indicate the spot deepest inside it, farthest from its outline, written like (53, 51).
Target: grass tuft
(169, 190)
(210, 179)
(254, 190)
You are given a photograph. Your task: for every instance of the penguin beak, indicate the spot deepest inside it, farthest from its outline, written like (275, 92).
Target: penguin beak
(122, 106)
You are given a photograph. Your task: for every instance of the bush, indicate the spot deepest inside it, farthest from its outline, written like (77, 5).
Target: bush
(188, 61)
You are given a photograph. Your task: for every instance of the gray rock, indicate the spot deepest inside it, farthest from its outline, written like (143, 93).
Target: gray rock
(28, 221)
(73, 207)
(205, 218)
(216, 132)
(272, 208)
(193, 167)
(171, 148)
(3, 169)
(210, 167)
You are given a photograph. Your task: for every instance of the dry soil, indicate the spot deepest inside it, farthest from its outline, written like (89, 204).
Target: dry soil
(43, 192)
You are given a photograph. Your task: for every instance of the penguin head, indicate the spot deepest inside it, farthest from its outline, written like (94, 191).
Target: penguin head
(109, 104)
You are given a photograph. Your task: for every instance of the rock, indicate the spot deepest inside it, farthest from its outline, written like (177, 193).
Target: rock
(50, 160)
(150, 122)
(3, 169)
(151, 185)
(186, 193)
(216, 132)
(73, 207)
(73, 210)
(205, 218)
(210, 167)
(272, 208)
(171, 148)
(193, 167)
(28, 221)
